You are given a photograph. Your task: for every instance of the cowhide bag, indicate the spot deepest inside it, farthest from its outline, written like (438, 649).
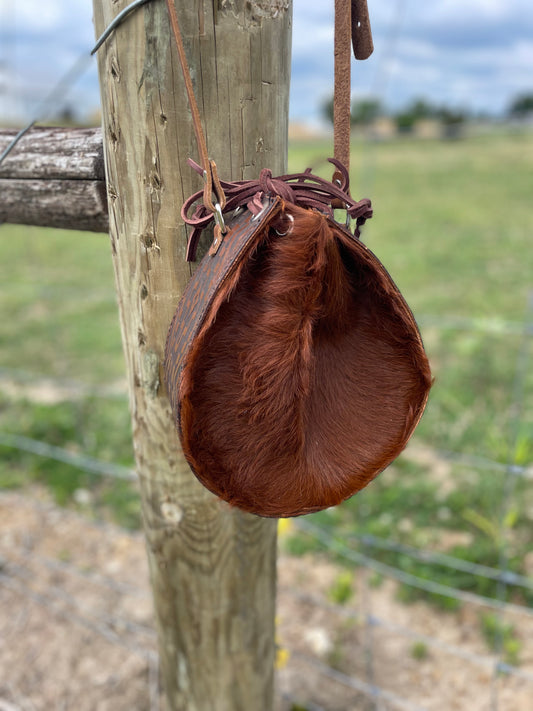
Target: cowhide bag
(294, 367)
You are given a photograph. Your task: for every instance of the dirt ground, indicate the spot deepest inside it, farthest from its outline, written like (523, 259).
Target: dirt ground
(76, 630)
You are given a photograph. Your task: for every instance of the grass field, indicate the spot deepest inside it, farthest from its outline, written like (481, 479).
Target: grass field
(453, 225)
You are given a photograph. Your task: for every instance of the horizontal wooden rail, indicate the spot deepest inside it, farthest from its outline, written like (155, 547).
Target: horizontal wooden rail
(54, 177)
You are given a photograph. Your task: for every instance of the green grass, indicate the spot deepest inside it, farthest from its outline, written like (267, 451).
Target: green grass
(58, 303)
(341, 591)
(419, 651)
(501, 637)
(95, 427)
(452, 224)
(60, 320)
(452, 219)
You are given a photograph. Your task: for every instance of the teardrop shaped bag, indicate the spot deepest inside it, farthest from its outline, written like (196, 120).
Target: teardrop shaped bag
(294, 367)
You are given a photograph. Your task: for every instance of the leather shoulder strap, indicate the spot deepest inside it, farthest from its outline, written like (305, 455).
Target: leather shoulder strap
(352, 27)
(212, 185)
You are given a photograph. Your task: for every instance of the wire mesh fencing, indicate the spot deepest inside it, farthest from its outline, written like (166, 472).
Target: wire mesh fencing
(350, 647)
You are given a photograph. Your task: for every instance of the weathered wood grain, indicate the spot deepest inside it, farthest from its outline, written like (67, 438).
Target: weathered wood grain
(54, 177)
(212, 568)
(54, 154)
(67, 204)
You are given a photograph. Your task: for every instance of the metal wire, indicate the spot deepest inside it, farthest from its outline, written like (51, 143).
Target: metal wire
(407, 578)
(60, 91)
(15, 140)
(476, 462)
(80, 461)
(108, 630)
(49, 104)
(371, 620)
(112, 622)
(374, 692)
(114, 628)
(95, 626)
(509, 485)
(474, 325)
(468, 460)
(91, 576)
(119, 19)
(366, 606)
(427, 556)
(408, 633)
(51, 604)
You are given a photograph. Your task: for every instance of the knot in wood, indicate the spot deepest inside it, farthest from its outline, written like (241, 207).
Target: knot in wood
(171, 512)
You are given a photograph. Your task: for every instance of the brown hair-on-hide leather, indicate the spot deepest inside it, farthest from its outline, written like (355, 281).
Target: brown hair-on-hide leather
(308, 376)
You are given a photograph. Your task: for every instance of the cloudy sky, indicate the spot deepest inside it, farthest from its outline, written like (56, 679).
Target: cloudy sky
(474, 54)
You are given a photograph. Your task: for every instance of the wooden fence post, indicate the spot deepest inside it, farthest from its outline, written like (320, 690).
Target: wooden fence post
(212, 568)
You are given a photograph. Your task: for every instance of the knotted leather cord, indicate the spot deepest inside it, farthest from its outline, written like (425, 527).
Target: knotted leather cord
(352, 26)
(304, 189)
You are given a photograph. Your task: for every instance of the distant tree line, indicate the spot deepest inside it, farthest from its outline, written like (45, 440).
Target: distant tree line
(521, 106)
(365, 111)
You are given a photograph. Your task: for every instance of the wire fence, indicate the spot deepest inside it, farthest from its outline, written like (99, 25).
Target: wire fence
(70, 596)
(482, 660)
(336, 546)
(23, 566)
(18, 565)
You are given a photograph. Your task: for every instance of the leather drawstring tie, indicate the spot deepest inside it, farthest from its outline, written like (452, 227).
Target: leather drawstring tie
(304, 189)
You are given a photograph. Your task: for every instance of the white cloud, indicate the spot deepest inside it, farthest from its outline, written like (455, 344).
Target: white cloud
(459, 11)
(33, 15)
(474, 51)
